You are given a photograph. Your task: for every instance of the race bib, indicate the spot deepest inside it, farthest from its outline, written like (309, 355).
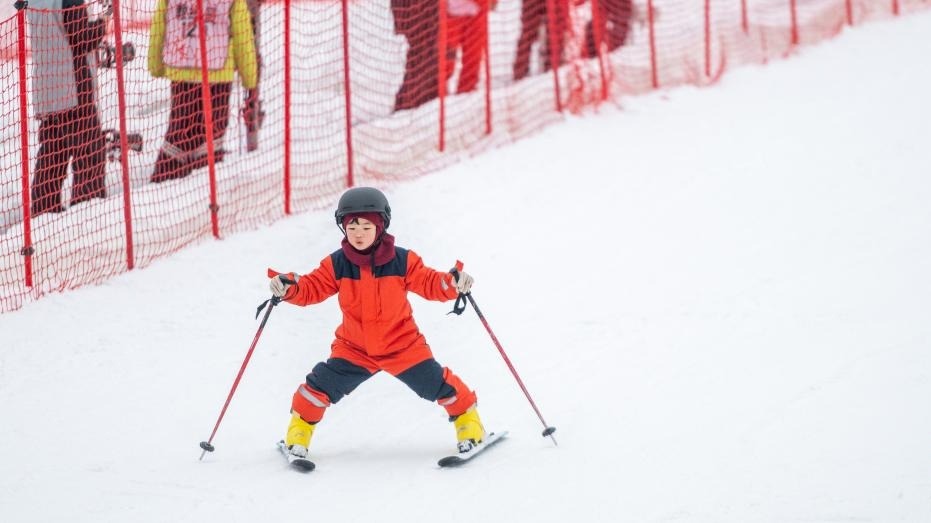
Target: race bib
(182, 38)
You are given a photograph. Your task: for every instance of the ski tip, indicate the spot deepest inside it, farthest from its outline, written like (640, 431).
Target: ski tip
(299, 464)
(450, 461)
(303, 465)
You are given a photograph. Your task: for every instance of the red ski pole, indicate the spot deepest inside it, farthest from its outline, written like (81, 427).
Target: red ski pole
(458, 308)
(548, 430)
(208, 445)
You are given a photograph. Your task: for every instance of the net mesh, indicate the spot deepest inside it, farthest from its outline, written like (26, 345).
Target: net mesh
(105, 149)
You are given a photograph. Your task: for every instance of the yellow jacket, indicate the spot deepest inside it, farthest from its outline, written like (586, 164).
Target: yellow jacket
(241, 55)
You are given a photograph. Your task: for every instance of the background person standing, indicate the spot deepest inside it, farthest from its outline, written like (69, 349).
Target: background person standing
(174, 53)
(62, 35)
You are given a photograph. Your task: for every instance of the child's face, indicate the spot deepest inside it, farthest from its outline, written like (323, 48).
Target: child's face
(360, 233)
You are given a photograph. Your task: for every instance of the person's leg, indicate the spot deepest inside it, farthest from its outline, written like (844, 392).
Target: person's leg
(220, 101)
(474, 38)
(617, 15)
(327, 383)
(402, 99)
(455, 38)
(433, 382)
(560, 20)
(51, 165)
(90, 157)
(532, 15)
(179, 138)
(420, 71)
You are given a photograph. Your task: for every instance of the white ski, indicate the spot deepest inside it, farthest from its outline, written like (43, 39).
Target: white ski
(463, 457)
(301, 464)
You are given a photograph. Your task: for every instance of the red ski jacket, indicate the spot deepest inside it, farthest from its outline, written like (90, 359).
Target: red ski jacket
(377, 316)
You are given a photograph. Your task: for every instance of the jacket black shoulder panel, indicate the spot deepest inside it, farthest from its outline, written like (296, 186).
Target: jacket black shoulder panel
(342, 267)
(396, 267)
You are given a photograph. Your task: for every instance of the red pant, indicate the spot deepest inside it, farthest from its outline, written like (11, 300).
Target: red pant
(614, 18)
(417, 21)
(533, 17)
(468, 34)
(73, 136)
(185, 145)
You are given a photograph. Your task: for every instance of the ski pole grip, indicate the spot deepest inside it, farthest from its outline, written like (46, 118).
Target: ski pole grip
(272, 273)
(456, 270)
(460, 305)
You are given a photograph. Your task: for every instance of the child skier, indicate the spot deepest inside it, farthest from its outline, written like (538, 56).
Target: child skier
(372, 277)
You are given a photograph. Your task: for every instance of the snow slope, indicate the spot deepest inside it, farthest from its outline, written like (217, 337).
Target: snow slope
(724, 310)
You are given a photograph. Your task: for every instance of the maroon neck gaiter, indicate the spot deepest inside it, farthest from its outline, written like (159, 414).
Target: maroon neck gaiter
(381, 252)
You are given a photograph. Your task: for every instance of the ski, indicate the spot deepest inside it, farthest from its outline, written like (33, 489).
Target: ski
(114, 145)
(301, 464)
(463, 457)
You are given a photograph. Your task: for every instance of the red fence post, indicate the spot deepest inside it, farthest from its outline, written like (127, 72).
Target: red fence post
(287, 106)
(350, 176)
(598, 36)
(895, 7)
(441, 72)
(24, 140)
(849, 7)
(124, 146)
(487, 56)
(555, 50)
(208, 116)
(651, 20)
(794, 13)
(744, 22)
(707, 38)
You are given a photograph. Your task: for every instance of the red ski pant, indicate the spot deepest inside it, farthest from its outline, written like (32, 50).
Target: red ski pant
(73, 136)
(534, 15)
(614, 25)
(185, 145)
(348, 367)
(468, 34)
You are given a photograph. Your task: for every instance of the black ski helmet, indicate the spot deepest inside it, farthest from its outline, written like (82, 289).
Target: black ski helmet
(363, 199)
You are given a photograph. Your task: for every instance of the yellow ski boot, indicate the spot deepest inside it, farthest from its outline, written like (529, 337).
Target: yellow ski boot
(469, 429)
(298, 437)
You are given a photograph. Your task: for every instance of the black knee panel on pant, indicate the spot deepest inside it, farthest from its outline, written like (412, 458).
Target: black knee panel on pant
(426, 379)
(336, 377)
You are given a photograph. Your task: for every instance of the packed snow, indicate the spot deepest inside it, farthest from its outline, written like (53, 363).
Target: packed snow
(720, 297)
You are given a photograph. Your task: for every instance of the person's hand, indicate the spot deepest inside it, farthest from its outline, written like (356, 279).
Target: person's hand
(101, 10)
(463, 281)
(280, 284)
